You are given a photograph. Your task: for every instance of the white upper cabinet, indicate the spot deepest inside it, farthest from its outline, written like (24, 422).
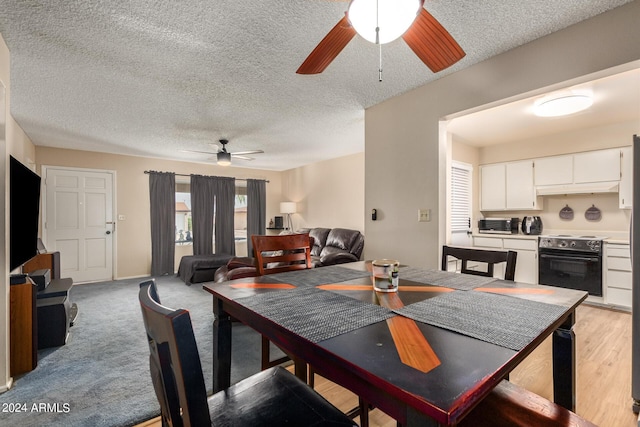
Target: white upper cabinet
(493, 187)
(626, 178)
(596, 166)
(520, 189)
(507, 186)
(557, 170)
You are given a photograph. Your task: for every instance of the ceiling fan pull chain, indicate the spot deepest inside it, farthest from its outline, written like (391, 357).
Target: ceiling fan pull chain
(378, 41)
(380, 65)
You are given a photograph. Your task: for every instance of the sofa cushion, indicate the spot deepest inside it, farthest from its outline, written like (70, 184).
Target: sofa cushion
(341, 238)
(319, 236)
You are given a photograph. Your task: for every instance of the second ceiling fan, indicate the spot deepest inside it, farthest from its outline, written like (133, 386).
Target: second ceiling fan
(375, 20)
(223, 157)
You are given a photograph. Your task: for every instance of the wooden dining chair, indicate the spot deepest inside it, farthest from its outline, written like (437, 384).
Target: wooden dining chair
(286, 252)
(278, 254)
(488, 257)
(290, 252)
(274, 397)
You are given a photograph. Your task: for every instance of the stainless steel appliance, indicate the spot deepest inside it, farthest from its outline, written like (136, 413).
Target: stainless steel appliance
(498, 225)
(532, 225)
(573, 262)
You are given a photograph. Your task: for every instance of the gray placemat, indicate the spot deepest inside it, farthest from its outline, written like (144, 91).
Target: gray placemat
(462, 282)
(314, 314)
(503, 320)
(319, 276)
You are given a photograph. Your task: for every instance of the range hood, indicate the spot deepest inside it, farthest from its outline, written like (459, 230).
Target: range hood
(585, 188)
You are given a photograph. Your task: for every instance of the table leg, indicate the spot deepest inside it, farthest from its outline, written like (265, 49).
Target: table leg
(221, 347)
(564, 365)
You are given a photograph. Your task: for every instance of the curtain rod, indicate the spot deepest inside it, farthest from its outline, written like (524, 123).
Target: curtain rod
(182, 174)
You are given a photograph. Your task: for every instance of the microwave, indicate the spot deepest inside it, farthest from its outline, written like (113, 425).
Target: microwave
(498, 225)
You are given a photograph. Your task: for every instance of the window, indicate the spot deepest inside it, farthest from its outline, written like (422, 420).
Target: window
(184, 224)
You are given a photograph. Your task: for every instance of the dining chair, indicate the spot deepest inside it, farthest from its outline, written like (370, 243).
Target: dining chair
(290, 252)
(273, 397)
(488, 257)
(278, 254)
(285, 252)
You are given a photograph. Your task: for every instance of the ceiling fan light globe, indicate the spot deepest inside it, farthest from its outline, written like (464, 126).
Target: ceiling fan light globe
(394, 17)
(224, 158)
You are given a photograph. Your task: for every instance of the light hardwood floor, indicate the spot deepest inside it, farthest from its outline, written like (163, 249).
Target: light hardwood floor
(603, 349)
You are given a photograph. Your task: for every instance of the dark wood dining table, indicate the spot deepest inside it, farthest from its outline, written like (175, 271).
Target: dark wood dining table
(425, 355)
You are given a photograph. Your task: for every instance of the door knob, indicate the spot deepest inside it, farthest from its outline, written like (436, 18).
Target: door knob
(108, 232)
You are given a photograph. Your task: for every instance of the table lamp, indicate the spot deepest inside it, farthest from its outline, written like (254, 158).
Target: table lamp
(288, 208)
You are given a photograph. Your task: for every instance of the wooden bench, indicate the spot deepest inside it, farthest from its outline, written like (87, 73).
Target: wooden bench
(509, 405)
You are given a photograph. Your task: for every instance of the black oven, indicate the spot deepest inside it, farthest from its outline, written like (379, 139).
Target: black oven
(571, 262)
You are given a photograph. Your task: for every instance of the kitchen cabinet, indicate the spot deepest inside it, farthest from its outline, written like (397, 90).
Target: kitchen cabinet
(527, 260)
(520, 192)
(508, 186)
(626, 178)
(556, 170)
(617, 275)
(596, 166)
(493, 181)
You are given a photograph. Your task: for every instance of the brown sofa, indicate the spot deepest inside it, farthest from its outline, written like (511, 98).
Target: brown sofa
(330, 246)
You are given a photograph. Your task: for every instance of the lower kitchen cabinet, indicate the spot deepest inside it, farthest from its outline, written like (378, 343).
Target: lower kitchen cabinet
(617, 275)
(527, 249)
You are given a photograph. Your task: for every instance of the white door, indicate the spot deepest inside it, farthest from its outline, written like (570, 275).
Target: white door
(78, 222)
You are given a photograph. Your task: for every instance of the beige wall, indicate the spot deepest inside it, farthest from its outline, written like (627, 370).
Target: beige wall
(133, 235)
(327, 194)
(12, 141)
(405, 160)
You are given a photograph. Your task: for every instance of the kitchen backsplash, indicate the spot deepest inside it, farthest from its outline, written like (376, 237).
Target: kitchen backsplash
(613, 219)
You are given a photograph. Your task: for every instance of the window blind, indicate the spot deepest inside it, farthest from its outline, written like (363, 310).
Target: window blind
(460, 197)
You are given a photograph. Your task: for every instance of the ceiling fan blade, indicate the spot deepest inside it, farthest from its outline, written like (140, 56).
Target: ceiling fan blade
(236, 156)
(327, 50)
(236, 153)
(432, 43)
(198, 152)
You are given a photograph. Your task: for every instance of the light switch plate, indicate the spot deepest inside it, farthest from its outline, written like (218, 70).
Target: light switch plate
(424, 215)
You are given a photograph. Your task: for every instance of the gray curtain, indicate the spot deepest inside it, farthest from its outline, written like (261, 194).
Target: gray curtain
(212, 195)
(225, 191)
(162, 193)
(203, 193)
(256, 210)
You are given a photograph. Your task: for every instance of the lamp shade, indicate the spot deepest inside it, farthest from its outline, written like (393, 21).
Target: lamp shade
(392, 17)
(287, 207)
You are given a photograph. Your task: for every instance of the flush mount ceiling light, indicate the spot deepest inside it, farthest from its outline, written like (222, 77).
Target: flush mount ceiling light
(384, 23)
(562, 105)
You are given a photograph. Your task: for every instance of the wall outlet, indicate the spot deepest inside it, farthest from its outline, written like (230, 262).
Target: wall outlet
(424, 215)
(121, 217)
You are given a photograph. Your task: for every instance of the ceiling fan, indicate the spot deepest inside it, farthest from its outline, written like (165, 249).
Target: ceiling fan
(382, 21)
(223, 157)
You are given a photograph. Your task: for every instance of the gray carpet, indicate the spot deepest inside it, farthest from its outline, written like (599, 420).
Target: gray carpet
(101, 376)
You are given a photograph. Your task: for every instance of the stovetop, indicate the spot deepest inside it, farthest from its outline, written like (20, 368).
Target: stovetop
(592, 244)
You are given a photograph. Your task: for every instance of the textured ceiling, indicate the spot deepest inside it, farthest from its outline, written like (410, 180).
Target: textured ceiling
(152, 78)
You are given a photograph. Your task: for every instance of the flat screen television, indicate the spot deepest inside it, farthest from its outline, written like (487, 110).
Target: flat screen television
(24, 212)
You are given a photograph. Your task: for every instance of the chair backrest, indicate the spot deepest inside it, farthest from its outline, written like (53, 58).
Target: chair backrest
(488, 257)
(276, 254)
(175, 366)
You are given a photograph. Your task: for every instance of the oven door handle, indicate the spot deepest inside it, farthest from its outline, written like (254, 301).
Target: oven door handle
(570, 258)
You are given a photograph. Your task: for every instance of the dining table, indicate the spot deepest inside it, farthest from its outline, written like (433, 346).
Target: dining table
(425, 355)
